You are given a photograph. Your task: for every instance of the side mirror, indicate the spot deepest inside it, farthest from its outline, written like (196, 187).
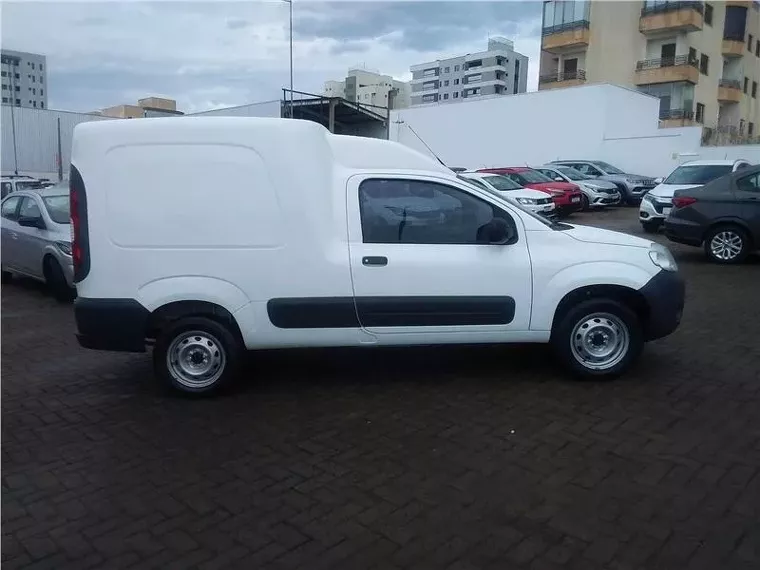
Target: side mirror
(497, 232)
(658, 180)
(559, 179)
(32, 222)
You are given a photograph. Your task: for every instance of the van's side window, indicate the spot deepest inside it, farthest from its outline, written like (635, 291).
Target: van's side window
(419, 212)
(10, 207)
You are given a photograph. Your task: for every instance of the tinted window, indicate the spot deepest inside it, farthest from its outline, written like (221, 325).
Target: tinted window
(588, 170)
(28, 184)
(502, 183)
(9, 208)
(525, 177)
(7, 188)
(29, 208)
(749, 183)
(473, 181)
(572, 173)
(58, 208)
(418, 212)
(698, 173)
(609, 168)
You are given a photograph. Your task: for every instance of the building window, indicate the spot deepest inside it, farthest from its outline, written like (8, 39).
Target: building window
(456, 82)
(5, 99)
(34, 91)
(34, 104)
(5, 74)
(741, 127)
(430, 72)
(475, 78)
(41, 80)
(456, 68)
(41, 69)
(42, 105)
(42, 92)
(700, 116)
(32, 66)
(5, 87)
(754, 89)
(18, 102)
(456, 95)
(17, 88)
(34, 79)
(751, 129)
(704, 64)
(746, 84)
(446, 83)
(708, 14)
(16, 76)
(446, 69)
(749, 42)
(445, 96)
(428, 98)
(757, 48)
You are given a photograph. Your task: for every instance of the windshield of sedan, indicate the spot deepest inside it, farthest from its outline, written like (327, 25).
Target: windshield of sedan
(608, 168)
(58, 208)
(697, 173)
(502, 183)
(573, 174)
(525, 177)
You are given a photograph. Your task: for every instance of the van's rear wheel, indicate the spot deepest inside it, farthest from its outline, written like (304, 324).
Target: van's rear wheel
(197, 355)
(598, 338)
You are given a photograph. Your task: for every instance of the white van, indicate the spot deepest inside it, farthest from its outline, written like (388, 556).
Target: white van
(208, 236)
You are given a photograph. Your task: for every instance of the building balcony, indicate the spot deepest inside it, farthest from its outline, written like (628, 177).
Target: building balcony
(668, 70)
(671, 17)
(740, 3)
(560, 79)
(573, 35)
(732, 47)
(729, 91)
(676, 118)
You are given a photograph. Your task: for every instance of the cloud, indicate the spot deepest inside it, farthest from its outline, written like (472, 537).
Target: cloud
(210, 54)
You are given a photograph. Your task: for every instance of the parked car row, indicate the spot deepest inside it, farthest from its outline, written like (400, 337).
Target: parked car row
(13, 182)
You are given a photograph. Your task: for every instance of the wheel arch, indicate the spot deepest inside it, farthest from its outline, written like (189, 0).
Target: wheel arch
(730, 222)
(630, 297)
(164, 315)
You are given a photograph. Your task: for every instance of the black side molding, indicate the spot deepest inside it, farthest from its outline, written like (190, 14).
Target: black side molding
(349, 312)
(111, 324)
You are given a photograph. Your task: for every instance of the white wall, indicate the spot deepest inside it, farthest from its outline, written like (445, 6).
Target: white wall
(263, 109)
(603, 122)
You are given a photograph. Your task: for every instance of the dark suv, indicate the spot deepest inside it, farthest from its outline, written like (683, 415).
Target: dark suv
(723, 216)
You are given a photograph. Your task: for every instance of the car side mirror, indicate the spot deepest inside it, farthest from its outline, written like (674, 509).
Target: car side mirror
(658, 180)
(28, 222)
(559, 179)
(498, 232)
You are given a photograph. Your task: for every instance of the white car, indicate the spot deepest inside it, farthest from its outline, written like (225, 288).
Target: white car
(13, 182)
(311, 239)
(657, 203)
(597, 193)
(533, 200)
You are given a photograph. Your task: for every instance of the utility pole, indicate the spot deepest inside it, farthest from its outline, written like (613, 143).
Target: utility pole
(290, 6)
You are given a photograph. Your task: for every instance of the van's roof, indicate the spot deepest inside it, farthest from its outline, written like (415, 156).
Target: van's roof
(297, 137)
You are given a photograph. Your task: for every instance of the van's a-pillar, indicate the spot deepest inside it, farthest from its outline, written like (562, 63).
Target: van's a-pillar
(331, 115)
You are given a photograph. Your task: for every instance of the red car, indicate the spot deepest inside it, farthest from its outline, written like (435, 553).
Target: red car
(566, 196)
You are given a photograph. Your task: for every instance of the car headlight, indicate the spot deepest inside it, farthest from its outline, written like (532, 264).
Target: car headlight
(662, 258)
(648, 198)
(64, 247)
(527, 201)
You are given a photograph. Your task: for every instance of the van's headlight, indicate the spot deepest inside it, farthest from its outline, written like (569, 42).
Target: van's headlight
(662, 258)
(527, 201)
(64, 246)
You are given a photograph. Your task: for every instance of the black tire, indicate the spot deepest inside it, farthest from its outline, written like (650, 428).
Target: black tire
(584, 203)
(7, 276)
(56, 281)
(651, 227)
(215, 341)
(733, 234)
(563, 334)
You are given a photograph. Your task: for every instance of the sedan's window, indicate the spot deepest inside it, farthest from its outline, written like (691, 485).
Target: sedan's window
(29, 208)
(419, 212)
(7, 188)
(588, 170)
(749, 183)
(58, 208)
(9, 208)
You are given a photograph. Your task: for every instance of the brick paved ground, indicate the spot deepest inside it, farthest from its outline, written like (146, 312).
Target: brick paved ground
(429, 458)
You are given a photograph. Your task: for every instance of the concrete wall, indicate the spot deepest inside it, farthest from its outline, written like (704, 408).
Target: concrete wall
(37, 140)
(262, 109)
(603, 122)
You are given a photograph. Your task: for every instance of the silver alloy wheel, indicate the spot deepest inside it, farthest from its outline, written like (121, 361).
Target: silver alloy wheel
(196, 359)
(726, 245)
(600, 341)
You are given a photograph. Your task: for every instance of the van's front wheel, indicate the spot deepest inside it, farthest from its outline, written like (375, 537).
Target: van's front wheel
(598, 338)
(197, 355)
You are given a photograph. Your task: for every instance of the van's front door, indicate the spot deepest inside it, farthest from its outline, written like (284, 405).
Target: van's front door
(422, 261)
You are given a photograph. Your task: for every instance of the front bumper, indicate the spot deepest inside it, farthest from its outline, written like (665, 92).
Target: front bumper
(111, 324)
(657, 210)
(665, 294)
(542, 209)
(597, 199)
(638, 191)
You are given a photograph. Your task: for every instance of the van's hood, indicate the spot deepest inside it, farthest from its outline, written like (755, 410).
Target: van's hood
(595, 235)
(667, 190)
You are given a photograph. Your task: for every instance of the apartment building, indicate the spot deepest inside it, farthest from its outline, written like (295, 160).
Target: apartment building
(701, 59)
(370, 88)
(24, 79)
(146, 107)
(499, 70)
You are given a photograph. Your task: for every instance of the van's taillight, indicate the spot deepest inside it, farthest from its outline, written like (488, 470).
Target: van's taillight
(80, 247)
(683, 201)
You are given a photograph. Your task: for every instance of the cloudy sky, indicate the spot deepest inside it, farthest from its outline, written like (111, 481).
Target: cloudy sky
(217, 53)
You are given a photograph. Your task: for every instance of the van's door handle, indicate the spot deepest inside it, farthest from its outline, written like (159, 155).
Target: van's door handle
(375, 260)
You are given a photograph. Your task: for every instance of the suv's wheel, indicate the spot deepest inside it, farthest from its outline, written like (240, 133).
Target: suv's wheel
(651, 227)
(197, 355)
(56, 280)
(598, 338)
(727, 244)
(584, 203)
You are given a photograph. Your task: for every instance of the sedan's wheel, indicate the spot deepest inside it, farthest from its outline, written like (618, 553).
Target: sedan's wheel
(727, 244)
(584, 203)
(651, 227)
(197, 355)
(598, 338)
(56, 281)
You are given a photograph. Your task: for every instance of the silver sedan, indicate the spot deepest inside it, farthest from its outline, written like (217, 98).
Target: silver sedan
(36, 238)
